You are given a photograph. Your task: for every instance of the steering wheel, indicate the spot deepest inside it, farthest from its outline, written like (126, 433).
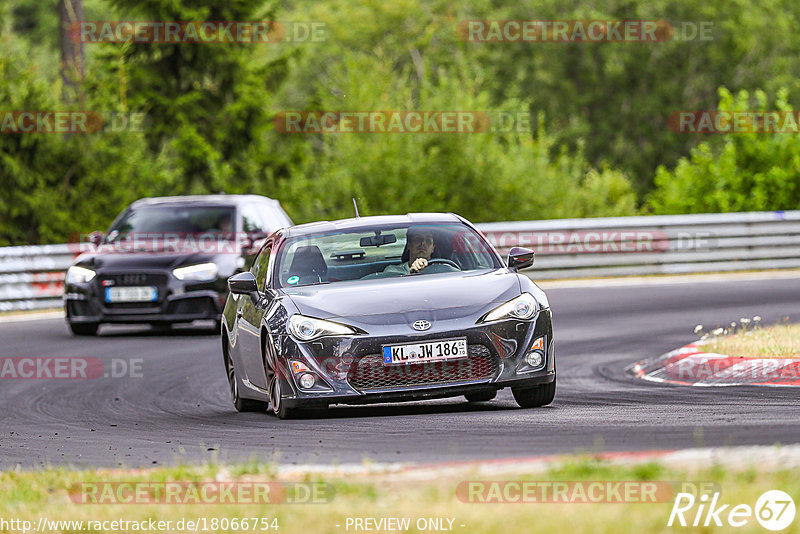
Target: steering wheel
(444, 261)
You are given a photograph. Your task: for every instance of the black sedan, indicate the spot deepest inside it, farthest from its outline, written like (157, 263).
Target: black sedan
(385, 309)
(166, 260)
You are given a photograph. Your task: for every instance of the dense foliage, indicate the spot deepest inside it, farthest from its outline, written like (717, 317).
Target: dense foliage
(749, 172)
(595, 141)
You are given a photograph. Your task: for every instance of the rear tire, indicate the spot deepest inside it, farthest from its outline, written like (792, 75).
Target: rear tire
(84, 329)
(481, 396)
(241, 404)
(535, 397)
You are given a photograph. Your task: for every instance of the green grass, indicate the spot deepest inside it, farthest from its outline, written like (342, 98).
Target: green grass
(30, 495)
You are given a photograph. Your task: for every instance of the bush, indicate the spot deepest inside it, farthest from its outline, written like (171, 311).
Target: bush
(742, 172)
(487, 176)
(56, 185)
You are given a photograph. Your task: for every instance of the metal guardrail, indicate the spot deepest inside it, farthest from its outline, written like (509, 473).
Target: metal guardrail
(662, 244)
(31, 277)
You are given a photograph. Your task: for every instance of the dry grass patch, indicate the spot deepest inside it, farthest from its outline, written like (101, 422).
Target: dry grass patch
(779, 341)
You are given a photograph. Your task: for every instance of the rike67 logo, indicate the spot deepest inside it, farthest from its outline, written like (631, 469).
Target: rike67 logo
(774, 510)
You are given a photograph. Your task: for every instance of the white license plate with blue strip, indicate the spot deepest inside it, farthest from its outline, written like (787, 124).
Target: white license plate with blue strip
(132, 294)
(404, 353)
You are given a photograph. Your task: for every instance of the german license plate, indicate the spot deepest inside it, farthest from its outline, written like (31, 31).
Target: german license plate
(132, 294)
(424, 352)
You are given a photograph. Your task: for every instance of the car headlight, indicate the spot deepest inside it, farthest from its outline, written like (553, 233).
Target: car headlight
(203, 272)
(79, 275)
(308, 328)
(522, 307)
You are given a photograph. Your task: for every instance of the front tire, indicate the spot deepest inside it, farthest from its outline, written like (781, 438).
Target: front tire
(536, 396)
(279, 408)
(84, 329)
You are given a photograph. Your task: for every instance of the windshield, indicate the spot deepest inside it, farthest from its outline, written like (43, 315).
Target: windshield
(174, 219)
(384, 252)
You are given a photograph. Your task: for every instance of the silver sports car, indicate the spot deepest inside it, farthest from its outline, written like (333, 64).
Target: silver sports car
(385, 309)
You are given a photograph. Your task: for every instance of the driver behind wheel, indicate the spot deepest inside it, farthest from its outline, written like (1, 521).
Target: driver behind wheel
(419, 247)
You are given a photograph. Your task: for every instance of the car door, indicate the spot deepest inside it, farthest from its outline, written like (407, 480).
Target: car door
(250, 314)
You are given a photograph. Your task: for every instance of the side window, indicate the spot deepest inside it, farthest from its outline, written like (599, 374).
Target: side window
(477, 251)
(261, 266)
(251, 222)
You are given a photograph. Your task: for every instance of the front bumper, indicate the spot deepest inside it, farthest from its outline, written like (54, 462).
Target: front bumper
(417, 394)
(177, 301)
(348, 372)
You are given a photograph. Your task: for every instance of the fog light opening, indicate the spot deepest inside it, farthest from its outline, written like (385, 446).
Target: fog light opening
(307, 381)
(534, 358)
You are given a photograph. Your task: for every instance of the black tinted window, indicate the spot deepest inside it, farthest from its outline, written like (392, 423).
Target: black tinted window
(184, 219)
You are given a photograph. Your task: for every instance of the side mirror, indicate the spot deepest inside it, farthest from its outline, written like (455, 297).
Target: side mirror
(95, 238)
(244, 284)
(520, 258)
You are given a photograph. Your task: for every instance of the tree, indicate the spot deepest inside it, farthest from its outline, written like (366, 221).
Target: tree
(70, 13)
(207, 103)
(748, 172)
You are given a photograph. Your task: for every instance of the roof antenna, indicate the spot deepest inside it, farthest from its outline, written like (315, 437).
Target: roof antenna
(356, 207)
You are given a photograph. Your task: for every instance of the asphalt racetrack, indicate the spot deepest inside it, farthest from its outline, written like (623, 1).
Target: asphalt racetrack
(179, 411)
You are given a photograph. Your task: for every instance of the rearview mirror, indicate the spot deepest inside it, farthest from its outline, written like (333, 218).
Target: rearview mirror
(520, 258)
(378, 240)
(243, 284)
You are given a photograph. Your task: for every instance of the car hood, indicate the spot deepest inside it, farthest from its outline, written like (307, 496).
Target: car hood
(403, 299)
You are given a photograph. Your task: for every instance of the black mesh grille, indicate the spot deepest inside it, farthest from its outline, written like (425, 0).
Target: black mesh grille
(370, 373)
